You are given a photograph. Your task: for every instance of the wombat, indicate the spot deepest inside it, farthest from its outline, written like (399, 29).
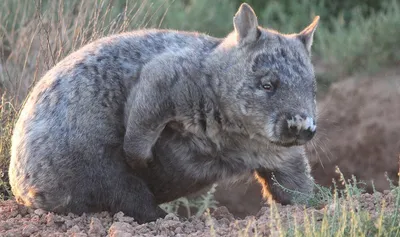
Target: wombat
(137, 119)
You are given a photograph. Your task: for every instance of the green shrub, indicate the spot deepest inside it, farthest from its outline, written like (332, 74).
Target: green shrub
(366, 44)
(198, 204)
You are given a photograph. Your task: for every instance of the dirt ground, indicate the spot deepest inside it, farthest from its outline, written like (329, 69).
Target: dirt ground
(17, 220)
(360, 131)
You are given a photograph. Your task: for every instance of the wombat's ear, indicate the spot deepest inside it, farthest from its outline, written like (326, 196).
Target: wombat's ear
(306, 36)
(246, 24)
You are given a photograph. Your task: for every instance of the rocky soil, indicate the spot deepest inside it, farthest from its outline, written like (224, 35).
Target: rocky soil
(16, 220)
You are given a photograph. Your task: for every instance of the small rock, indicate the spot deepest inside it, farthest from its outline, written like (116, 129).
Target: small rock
(69, 223)
(178, 230)
(171, 216)
(222, 212)
(118, 233)
(200, 225)
(126, 219)
(264, 210)
(14, 213)
(5, 225)
(35, 219)
(318, 215)
(143, 229)
(96, 228)
(120, 217)
(71, 215)
(104, 214)
(50, 219)
(224, 222)
(39, 212)
(120, 228)
(210, 222)
(80, 234)
(74, 229)
(29, 229)
(13, 233)
(59, 220)
(117, 216)
(23, 210)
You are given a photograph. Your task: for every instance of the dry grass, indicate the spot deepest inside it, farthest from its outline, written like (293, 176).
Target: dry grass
(38, 34)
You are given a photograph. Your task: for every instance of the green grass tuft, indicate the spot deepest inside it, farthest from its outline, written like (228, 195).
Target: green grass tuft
(199, 204)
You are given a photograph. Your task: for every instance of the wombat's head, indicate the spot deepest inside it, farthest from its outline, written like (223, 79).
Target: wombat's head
(269, 80)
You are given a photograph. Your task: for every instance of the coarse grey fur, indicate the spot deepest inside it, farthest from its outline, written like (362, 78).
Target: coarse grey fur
(137, 119)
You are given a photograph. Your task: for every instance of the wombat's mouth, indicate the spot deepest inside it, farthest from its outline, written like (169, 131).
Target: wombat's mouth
(288, 144)
(287, 141)
(288, 130)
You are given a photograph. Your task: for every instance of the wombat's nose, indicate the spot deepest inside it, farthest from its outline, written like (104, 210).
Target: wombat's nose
(301, 127)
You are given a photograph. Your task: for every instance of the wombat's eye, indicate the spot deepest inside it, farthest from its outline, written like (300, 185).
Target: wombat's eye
(268, 87)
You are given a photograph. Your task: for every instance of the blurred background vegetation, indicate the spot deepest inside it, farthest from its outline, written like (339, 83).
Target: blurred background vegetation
(358, 36)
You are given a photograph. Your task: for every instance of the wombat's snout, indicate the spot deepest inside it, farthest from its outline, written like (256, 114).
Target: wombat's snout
(297, 129)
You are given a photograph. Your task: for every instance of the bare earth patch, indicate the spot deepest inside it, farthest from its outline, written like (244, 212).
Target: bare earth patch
(16, 220)
(360, 131)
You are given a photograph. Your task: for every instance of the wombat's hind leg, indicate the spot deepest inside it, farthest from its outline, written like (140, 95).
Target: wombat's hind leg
(131, 195)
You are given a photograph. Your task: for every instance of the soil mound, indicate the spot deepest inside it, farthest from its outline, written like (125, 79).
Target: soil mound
(359, 131)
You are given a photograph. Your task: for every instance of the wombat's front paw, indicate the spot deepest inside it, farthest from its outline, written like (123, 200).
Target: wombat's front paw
(305, 196)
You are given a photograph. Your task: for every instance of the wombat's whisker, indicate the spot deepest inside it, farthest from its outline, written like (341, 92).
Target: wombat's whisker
(317, 153)
(322, 145)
